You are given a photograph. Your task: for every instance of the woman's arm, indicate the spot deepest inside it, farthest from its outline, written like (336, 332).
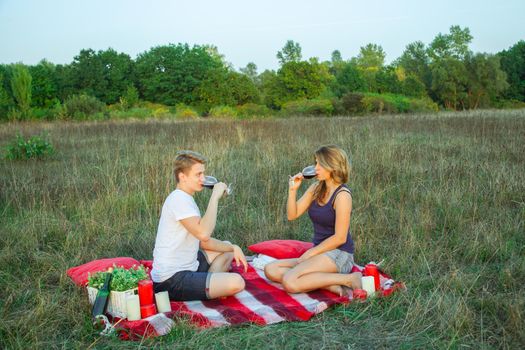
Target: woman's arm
(295, 208)
(343, 210)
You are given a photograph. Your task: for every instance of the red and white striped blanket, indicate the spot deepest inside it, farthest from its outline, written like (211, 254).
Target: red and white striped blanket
(262, 302)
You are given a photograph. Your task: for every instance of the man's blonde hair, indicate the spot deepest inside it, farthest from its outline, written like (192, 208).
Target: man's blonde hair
(185, 160)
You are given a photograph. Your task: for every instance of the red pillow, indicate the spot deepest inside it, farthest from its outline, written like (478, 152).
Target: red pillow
(79, 274)
(281, 248)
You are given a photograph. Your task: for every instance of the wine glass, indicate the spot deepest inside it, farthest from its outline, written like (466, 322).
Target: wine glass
(309, 172)
(210, 181)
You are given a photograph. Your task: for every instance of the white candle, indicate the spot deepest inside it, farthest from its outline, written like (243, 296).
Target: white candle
(368, 285)
(133, 307)
(163, 302)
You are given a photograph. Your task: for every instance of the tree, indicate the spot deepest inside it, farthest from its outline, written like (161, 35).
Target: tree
(5, 100)
(387, 80)
(452, 45)
(416, 63)
(449, 82)
(291, 52)
(226, 87)
(296, 80)
(348, 78)
(170, 74)
(513, 64)
(21, 87)
(486, 79)
(103, 74)
(336, 57)
(371, 56)
(44, 85)
(370, 61)
(251, 72)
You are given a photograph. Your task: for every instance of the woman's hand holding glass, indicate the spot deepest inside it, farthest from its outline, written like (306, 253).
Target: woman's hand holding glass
(294, 182)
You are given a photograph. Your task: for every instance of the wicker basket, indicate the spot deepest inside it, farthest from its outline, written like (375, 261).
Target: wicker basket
(116, 303)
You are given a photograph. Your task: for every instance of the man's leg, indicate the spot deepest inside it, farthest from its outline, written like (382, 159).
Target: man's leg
(223, 284)
(219, 262)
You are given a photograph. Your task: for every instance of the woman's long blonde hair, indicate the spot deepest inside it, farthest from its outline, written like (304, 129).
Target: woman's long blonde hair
(335, 160)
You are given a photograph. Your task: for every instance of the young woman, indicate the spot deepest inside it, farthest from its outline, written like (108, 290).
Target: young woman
(329, 203)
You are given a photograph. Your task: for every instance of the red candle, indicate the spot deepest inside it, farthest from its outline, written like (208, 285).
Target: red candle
(148, 310)
(146, 292)
(372, 270)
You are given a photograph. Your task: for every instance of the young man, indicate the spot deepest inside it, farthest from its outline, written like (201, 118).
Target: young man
(187, 261)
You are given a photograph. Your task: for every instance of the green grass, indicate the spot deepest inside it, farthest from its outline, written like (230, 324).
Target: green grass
(439, 197)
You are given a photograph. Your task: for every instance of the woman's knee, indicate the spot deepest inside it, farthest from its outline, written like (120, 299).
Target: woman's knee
(270, 270)
(290, 283)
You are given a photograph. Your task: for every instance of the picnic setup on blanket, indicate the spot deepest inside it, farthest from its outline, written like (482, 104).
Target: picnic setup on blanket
(136, 312)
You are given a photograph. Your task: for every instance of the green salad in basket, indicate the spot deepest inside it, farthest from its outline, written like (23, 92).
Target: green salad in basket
(122, 280)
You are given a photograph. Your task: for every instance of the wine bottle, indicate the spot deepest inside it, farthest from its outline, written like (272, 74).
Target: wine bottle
(101, 302)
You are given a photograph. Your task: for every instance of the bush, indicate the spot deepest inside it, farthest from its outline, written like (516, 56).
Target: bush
(34, 147)
(130, 98)
(352, 102)
(185, 112)
(223, 112)
(423, 105)
(82, 107)
(136, 112)
(42, 113)
(252, 110)
(318, 106)
(510, 104)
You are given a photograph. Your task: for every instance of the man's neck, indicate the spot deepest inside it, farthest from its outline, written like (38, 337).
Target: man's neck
(185, 189)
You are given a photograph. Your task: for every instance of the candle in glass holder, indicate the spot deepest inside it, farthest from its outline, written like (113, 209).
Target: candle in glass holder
(372, 270)
(368, 285)
(133, 307)
(163, 302)
(148, 310)
(146, 292)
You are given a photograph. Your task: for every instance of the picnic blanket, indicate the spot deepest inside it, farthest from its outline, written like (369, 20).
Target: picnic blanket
(262, 302)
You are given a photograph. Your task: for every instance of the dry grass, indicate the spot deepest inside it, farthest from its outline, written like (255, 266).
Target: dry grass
(439, 197)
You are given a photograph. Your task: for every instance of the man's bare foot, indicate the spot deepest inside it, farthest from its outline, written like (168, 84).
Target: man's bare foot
(354, 280)
(336, 289)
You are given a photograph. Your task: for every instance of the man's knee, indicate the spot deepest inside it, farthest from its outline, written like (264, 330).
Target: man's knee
(236, 283)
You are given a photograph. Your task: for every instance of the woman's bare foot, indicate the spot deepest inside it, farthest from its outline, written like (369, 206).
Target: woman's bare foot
(354, 280)
(336, 289)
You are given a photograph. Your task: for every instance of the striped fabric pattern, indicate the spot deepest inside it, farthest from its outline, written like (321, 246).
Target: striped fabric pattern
(262, 302)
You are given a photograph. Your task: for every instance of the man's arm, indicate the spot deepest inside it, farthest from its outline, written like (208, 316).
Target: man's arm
(224, 246)
(202, 228)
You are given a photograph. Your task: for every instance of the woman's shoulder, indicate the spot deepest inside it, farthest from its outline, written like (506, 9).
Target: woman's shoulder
(343, 193)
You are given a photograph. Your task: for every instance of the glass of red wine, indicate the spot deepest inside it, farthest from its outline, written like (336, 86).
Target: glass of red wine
(309, 172)
(210, 181)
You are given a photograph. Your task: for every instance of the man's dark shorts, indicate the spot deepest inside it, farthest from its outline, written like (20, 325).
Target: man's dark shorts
(188, 285)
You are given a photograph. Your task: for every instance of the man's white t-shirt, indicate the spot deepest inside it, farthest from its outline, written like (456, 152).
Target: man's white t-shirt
(175, 247)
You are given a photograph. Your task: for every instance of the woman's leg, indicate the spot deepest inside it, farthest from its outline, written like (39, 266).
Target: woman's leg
(317, 272)
(275, 271)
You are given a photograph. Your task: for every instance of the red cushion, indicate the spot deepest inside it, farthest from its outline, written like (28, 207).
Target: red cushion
(281, 248)
(79, 274)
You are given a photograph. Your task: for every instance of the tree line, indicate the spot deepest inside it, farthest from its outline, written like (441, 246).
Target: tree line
(443, 74)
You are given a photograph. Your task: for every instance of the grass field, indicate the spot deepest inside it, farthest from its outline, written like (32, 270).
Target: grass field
(439, 197)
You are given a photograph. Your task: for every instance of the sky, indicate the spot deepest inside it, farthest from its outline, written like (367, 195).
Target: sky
(248, 31)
